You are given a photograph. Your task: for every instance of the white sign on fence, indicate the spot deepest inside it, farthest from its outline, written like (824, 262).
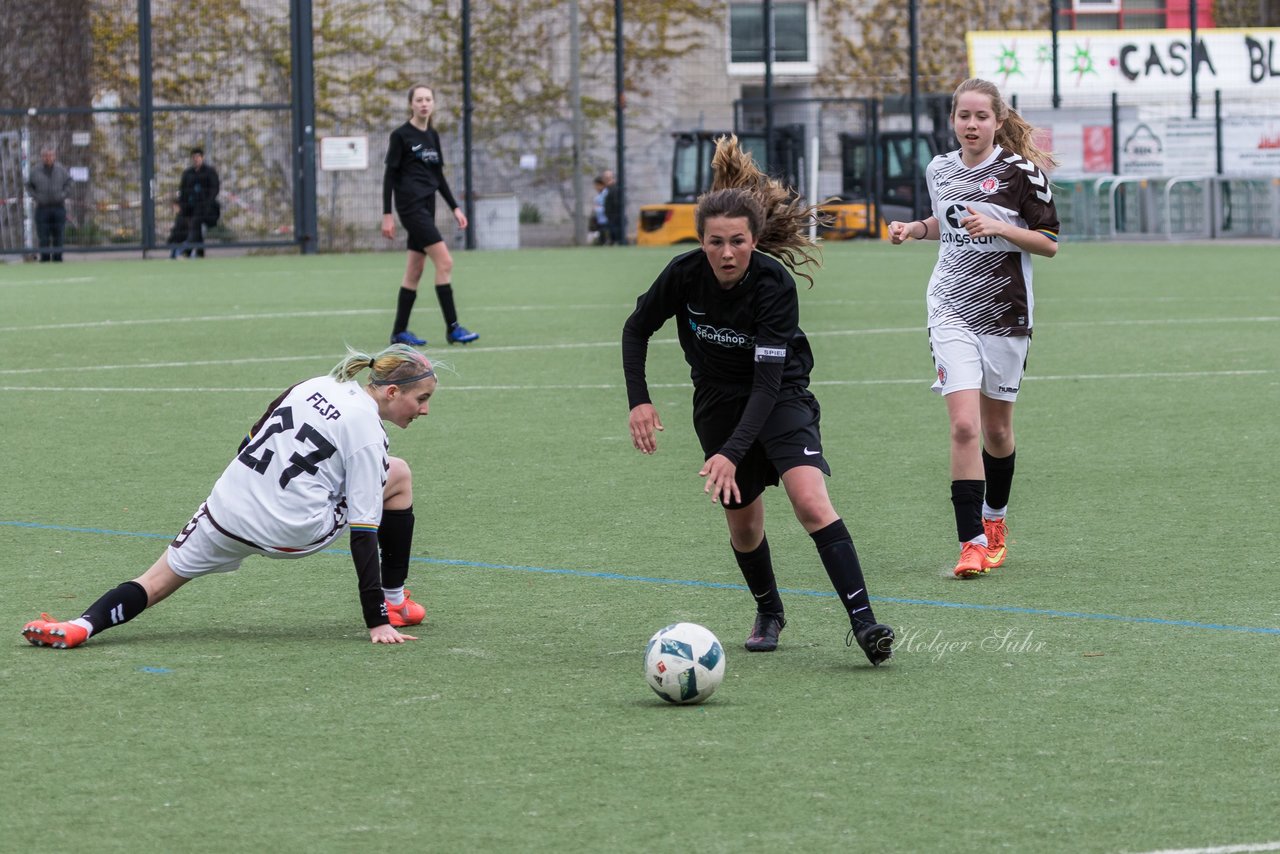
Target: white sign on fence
(1168, 147)
(1251, 146)
(1094, 63)
(344, 153)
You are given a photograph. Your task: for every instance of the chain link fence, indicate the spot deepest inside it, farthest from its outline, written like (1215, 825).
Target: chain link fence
(126, 88)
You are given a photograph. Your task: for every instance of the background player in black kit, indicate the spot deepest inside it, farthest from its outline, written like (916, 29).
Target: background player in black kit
(737, 316)
(414, 174)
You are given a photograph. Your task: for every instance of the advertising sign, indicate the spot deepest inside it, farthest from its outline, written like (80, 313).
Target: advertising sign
(1133, 63)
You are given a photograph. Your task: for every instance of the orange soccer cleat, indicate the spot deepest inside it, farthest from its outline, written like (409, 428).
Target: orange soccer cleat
(407, 613)
(972, 561)
(46, 632)
(997, 551)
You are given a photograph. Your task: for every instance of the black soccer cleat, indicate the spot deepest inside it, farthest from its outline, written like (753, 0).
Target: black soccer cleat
(875, 639)
(764, 633)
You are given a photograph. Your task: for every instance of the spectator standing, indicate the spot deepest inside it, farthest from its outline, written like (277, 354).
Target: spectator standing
(198, 193)
(49, 185)
(599, 222)
(613, 209)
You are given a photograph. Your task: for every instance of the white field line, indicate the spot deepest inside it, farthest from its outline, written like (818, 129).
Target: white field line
(211, 318)
(75, 281)
(245, 316)
(1222, 849)
(1154, 375)
(510, 348)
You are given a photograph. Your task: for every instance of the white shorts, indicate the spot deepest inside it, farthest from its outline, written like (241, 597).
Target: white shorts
(201, 548)
(993, 364)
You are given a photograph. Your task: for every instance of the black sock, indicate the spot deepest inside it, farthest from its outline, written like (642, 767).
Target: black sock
(395, 537)
(757, 569)
(444, 293)
(404, 305)
(999, 479)
(116, 606)
(966, 498)
(840, 559)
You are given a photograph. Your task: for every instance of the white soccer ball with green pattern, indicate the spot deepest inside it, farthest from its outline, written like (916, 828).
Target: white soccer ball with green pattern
(684, 663)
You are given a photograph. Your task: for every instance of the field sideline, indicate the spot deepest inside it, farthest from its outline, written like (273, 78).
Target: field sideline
(1112, 688)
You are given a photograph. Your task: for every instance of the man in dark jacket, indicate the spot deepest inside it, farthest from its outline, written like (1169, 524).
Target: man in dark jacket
(613, 209)
(49, 185)
(198, 193)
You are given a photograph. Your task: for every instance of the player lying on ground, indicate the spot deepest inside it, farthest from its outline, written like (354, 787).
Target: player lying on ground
(314, 465)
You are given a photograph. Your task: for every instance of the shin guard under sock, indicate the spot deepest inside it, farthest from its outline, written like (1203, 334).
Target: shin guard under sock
(116, 606)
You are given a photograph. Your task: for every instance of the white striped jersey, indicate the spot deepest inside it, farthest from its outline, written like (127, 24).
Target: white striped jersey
(317, 460)
(984, 283)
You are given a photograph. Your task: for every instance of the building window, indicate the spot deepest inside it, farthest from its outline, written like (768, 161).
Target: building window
(792, 37)
(1133, 14)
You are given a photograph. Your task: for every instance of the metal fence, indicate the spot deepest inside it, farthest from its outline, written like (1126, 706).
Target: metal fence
(262, 92)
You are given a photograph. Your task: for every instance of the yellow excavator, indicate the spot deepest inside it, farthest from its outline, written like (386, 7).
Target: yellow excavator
(877, 181)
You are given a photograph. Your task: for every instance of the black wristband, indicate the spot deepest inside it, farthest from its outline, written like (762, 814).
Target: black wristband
(924, 236)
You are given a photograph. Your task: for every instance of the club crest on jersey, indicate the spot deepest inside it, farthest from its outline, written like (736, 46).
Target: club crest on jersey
(989, 185)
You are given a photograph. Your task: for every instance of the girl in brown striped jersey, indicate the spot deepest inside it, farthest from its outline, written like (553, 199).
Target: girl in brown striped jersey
(992, 210)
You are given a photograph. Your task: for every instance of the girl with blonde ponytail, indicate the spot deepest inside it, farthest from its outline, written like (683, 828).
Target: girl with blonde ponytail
(314, 465)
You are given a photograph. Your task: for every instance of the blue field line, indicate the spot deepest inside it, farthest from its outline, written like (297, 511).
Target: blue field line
(719, 585)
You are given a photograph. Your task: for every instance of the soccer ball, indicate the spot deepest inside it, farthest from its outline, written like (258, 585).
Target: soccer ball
(684, 663)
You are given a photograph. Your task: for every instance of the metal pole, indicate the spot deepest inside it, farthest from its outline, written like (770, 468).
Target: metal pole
(1195, 57)
(469, 196)
(575, 98)
(767, 11)
(914, 71)
(306, 220)
(1217, 127)
(147, 130)
(620, 103)
(1115, 133)
(1053, 24)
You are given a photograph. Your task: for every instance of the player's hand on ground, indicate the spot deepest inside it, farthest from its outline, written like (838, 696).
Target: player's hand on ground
(644, 423)
(387, 634)
(721, 482)
(899, 232)
(388, 226)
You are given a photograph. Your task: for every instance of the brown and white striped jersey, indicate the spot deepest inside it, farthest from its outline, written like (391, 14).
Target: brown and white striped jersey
(984, 283)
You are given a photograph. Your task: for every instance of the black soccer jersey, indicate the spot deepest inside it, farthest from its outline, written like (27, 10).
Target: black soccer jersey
(984, 283)
(415, 170)
(745, 341)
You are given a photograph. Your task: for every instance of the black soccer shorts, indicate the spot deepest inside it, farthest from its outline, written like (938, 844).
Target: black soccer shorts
(790, 437)
(420, 223)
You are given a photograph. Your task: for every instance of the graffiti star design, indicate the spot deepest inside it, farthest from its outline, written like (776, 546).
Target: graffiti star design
(1007, 63)
(1082, 63)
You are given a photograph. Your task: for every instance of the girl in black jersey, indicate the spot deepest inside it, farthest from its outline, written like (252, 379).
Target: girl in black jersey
(414, 174)
(993, 209)
(737, 317)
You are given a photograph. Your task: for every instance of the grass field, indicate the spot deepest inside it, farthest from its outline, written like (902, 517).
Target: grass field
(1114, 687)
